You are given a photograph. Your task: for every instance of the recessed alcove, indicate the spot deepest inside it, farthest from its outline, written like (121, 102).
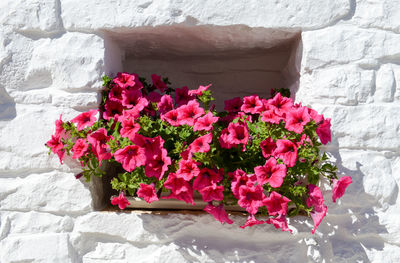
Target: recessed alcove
(236, 60)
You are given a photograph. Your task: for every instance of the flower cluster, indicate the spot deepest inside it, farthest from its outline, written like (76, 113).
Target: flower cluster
(261, 154)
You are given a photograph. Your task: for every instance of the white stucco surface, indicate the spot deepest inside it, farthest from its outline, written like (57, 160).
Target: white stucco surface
(345, 64)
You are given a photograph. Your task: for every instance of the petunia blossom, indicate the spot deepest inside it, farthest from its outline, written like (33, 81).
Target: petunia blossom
(188, 113)
(199, 91)
(251, 221)
(187, 169)
(233, 105)
(296, 119)
(268, 147)
(286, 151)
(121, 201)
(238, 133)
(239, 178)
(130, 157)
(212, 192)
(276, 204)
(219, 213)
(339, 187)
(270, 116)
(252, 104)
(157, 165)
(251, 198)
(201, 144)
(271, 173)
(182, 96)
(224, 140)
(133, 99)
(166, 104)
(324, 131)
(317, 214)
(147, 192)
(80, 148)
(279, 222)
(158, 83)
(56, 146)
(316, 200)
(98, 140)
(85, 119)
(171, 117)
(129, 128)
(205, 122)
(126, 80)
(206, 178)
(280, 104)
(113, 109)
(176, 185)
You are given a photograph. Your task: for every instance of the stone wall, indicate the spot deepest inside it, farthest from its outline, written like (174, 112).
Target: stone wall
(345, 63)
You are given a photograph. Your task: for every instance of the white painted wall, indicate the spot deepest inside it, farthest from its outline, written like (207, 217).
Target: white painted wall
(52, 54)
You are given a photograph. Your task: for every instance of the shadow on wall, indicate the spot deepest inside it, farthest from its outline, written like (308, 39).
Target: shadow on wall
(7, 106)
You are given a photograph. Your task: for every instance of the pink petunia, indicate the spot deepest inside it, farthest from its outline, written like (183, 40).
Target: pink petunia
(158, 83)
(268, 147)
(317, 214)
(233, 105)
(56, 146)
(238, 133)
(224, 140)
(199, 91)
(125, 80)
(252, 104)
(171, 117)
(324, 131)
(129, 128)
(316, 200)
(115, 93)
(113, 109)
(188, 113)
(186, 196)
(251, 198)
(166, 104)
(251, 221)
(130, 157)
(279, 222)
(121, 201)
(276, 204)
(270, 116)
(318, 118)
(206, 178)
(239, 178)
(60, 131)
(182, 96)
(187, 169)
(154, 97)
(296, 119)
(80, 148)
(286, 151)
(205, 123)
(201, 144)
(271, 173)
(339, 187)
(280, 104)
(133, 99)
(212, 192)
(176, 185)
(147, 192)
(85, 119)
(219, 213)
(157, 165)
(98, 140)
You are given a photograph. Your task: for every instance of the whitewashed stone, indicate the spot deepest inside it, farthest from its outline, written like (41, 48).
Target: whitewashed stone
(385, 84)
(53, 192)
(78, 101)
(36, 248)
(396, 73)
(89, 15)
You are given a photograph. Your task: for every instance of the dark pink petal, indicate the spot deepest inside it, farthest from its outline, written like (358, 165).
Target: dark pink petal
(339, 187)
(324, 131)
(251, 198)
(252, 104)
(276, 204)
(201, 144)
(182, 96)
(199, 91)
(80, 148)
(251, 221)
(121, 201)
(166, 104)
(171, 117)
(318, 213)
(286, 151)
(296, 119)
(187, 169)
(189, 113)
(158, 83)
(268, 146)
(131, 157)
(129, 128)
(219, 213)
(315, 197)
(148, 193)
(85, 119)
(205, 123)
(279, 222)
(233, 105)
(212, 192)
(271, 173)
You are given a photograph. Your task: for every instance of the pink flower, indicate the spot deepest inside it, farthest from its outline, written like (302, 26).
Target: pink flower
(125, 80)
(286, 151)
(251, 198)
(224, 140)
(187, 114)
(233, 105)
(324, 131)
(201, 144)
(183, 196)
(113, 109)
(56, 146)
(219, 213)
(166, 104)
(115, 93)
(187, 169)
(276, 204)
(133, 99)
(158, 83)
(280, 104)
(199, 91)
(268, 147)
(80, 147)
(205, 123)
(60, 131)
(121, 201)
(130, 157)
(279, 222)
(316, 200)
(157, 165)
(171, 117)
(206, 178)
(271, 173)
(339, 187)
(182, 96)
(318, 118)
(129, 128)
(176, 185)
(238, 133)
(270, 116)
(251, 221)
(85, 119)
(98, 140)
(252, 104)
(296, 119)
(212, 192)
(154, 97)
(239, 178)
(130, 114)
(318, 213)
(148, 193)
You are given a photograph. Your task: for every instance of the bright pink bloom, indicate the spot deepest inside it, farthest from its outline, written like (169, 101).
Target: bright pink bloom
(80, 148)
(129, 128)
(280, 104)
(133, 99)
(116, 93)
(205, 123)
(153, 146)
(339, 187)
(279, 222)
(296, 119)
(324, 131)
(224, 139)
(166, 104)
(316, 200)
(212, 192)
(252, 104)
(268, 147)
(187, 114)
(201, 144)
(239, 178)
(157, 165)
(113, 109)
(271, 173)
(154, 97)
(186, 196)
(270, 116)
(238, 133)
(56, 146)
(233, 105)
(121, 201)
(130, 157)
(199, 91)
(187, 169)
(251, 221)
(85, 119)
(318, 213)
(131, 114)
(251, 198)
(147, 192)
(206, 178)
(176, 185)
(60, 131)
(158, 83)
(318, 118)
(125, 80)
(286, 151)
(171, 117)
(182, 96)
(219, 213)
(276, 204)
(98, 140)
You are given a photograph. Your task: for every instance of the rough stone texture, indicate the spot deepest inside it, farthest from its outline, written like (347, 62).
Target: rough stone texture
(340, 57)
